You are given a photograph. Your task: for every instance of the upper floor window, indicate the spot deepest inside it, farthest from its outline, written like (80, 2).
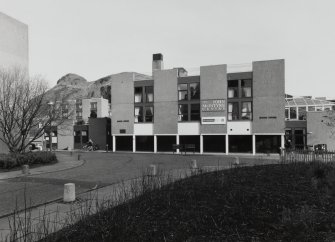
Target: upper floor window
(233, 89)
(240, 88)
(246, 88)
(189, 101)
(94, 105)
(143, 99)
(189, 91)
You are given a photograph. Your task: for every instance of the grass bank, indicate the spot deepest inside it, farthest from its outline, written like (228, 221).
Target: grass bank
(284, 202)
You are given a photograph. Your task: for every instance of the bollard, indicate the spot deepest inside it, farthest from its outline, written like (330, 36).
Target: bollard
(69, 192)
(25, 169)
(194, 164)
(70, 151)
(78, 156)
(107, 148)
(153, 170)
(237, 160)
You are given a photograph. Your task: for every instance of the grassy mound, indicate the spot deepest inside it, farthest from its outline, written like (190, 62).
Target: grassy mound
(292, 202)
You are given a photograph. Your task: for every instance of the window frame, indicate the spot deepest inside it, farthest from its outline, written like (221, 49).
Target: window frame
(145, 103)
(189, 101)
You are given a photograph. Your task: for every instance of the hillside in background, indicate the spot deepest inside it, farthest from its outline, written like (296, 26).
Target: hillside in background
(72, 87)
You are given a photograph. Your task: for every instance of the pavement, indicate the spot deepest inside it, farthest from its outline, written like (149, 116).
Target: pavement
(100, 178)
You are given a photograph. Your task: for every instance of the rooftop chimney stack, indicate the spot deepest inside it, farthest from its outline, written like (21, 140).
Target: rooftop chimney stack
(157, 62)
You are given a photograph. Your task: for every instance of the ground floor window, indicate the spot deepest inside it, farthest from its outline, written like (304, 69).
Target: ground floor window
(240, 143)
(214, 143)
(190, 139)
(165, 143)
(124, 143)
(145, 143)
(268, 143)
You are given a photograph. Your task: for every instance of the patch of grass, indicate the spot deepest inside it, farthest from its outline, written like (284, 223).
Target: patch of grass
(261, 203)
(9, 162)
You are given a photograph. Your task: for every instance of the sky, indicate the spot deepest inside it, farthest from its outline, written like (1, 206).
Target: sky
(102, 37)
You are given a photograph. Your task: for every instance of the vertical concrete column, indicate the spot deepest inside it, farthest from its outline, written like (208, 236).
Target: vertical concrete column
(155, 143)
(254, 144)
(227, 145)
(201, 144)
(134, 143)
(177, 143)
(282, 144)
(114, 143)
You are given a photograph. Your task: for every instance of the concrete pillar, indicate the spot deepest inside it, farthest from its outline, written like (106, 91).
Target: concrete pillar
(177, 144)
(282, 145)
(227, 145)
(134, 143)
(69, 192)
(254, 144)
(201, 144)
(155, 143)
(114, 143)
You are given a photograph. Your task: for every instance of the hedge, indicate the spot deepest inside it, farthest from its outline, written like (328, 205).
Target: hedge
(9, 161)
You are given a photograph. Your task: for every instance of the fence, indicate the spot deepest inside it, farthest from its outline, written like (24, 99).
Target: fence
(307, 155)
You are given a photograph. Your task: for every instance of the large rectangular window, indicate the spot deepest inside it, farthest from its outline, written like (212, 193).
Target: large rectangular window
(143, 99)
(293, 113)
(302, 113)
(240, 99)
(189, 101)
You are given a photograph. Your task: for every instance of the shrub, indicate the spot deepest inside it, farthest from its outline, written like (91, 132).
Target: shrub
(9, 161)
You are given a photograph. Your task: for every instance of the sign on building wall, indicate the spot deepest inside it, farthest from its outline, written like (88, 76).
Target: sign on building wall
(213, 120)
(215, 105)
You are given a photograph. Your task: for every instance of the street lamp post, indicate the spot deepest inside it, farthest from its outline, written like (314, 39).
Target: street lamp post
(50, 116)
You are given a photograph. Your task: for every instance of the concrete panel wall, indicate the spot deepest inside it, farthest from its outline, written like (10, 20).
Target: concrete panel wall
(213, 85)
(269, 96)
(318, 132)
(13, 42)
(189, 128)
(143, 129)
(122, 88)
(165, 102)
(65, 136)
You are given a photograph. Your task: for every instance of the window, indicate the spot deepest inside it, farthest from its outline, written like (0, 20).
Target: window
(286, 113)
(233, 89)
(189, 101)
(143, 98)
(240, 97)
(138, 94)
(195, 112)
(246, 88)
(302, 113)
(318, 108)
(94, 105)
(183, 112)
(233, 111)
(194, 91)
(149, 92)
(293, 113)
(138, 114)
(311, 108)
(182, 92)
(246, 113)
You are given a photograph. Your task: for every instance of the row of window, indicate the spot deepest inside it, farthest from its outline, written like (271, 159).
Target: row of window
(299, 113)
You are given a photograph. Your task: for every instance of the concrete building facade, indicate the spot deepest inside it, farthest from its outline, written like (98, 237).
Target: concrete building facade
(226, 109)
(13, 43)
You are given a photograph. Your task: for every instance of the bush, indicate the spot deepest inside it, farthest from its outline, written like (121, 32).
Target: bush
(9, 161)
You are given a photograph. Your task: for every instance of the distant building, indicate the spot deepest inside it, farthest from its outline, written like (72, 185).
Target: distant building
(13, 43)
(303, 121)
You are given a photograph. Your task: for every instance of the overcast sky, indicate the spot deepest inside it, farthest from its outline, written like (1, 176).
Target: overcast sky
(102, 37)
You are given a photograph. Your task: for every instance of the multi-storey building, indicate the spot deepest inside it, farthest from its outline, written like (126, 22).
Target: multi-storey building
(226, 109)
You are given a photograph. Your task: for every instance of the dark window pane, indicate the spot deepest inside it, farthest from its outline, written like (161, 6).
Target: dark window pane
(138, 95)
(233, 111)
(286, 113)
(195, 112)
(138, 114)
(149, 114)
(149, 92)
(195, 90)
(233, 89)
(182, 87)
(302, 113)
(183, 112)
(293, 113)
(182, 95)
(246, 88)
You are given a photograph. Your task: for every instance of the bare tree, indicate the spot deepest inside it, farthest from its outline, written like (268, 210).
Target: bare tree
(24, 111)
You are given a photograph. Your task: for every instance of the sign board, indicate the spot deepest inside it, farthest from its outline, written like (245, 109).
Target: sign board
(213, 120)
(215, 105)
